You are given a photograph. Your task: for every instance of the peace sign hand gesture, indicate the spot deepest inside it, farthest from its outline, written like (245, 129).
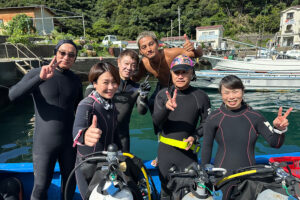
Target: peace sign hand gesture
(188, 45)
(171, 103)
(281, 122)
(47, 71)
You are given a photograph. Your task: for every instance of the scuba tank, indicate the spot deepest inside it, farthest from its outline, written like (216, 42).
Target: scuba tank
(192, 183)
(114, 188)
(118, 176)
(114, 193)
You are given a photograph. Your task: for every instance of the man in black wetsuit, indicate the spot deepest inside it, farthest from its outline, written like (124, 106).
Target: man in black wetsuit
(178, 116)
(129, 93)
(56, 92)
(158, 61)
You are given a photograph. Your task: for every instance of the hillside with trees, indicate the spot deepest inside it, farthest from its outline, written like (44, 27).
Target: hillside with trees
(126, 18)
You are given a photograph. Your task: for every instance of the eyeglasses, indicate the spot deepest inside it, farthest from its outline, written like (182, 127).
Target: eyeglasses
(63, 54)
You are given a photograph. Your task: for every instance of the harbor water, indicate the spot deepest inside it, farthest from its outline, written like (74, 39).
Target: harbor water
(17, 126)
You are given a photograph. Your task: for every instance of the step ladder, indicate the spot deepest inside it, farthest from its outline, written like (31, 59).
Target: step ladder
(23, 66)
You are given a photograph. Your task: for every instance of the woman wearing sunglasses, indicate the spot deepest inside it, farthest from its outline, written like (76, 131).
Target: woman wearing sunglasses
(56, 92)
(177, 110)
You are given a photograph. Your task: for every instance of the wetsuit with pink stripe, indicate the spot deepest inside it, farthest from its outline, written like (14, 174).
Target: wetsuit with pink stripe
(106, 114)
(236, 132)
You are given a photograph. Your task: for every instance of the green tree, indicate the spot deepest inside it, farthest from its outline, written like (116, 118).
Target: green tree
(19, 29)
(20, 24)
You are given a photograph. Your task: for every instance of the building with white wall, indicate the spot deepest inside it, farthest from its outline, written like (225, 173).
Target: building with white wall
(210, 35)
(289, 27)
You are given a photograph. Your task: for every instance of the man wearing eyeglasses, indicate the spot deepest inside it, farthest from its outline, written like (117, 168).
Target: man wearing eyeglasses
(56, 92)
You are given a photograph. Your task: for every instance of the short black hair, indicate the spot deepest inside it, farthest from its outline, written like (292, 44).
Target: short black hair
(231, 82)
(99, 68)
(131, 53)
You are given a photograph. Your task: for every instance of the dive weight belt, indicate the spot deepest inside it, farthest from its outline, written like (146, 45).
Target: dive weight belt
(177, 143)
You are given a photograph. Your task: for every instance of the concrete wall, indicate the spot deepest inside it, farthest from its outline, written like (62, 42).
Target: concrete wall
(39, 50)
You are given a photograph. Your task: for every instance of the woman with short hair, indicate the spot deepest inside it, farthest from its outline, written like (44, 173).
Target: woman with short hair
(236, 126)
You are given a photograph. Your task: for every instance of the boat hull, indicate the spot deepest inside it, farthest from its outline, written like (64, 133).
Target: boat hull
(253, 81)
(253, 64)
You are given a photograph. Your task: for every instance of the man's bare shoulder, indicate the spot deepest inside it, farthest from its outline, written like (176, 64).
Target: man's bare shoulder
(171, 53)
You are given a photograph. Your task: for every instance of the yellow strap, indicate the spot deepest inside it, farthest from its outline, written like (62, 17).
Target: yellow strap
(177, 143)
(236, 175)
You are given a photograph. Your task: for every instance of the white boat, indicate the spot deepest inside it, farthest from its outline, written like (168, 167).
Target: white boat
(256, 65)
(253, 81)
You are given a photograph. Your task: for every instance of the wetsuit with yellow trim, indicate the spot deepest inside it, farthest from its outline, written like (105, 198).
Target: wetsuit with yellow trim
(192, 104)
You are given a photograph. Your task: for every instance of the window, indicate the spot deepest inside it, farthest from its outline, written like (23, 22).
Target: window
(289, 27)
(1, 21)
(211, 33)
(289, 15)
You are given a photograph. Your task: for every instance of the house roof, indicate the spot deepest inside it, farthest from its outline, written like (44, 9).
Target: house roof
(172, 38)
(29, 7)
(210, 27)
(291, 8)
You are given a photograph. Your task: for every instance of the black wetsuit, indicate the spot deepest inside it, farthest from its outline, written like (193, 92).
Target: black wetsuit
(192, 103)
(236, 132)
(124, 99)
(55, 102)
(106, 121)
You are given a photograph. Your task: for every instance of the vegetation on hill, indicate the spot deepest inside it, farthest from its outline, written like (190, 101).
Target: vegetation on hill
(126, 18)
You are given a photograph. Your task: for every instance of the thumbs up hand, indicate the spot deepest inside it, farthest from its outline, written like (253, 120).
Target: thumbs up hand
(92, 134)
(188, 45)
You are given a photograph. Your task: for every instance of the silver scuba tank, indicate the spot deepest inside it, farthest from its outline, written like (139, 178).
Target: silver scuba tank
(114, 193)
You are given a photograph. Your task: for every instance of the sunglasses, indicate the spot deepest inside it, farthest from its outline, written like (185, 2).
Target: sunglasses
(63, 54)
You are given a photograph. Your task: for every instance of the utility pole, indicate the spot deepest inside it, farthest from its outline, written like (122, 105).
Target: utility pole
(179, 20)
(171, 28)
(83, 26)
(42, 14)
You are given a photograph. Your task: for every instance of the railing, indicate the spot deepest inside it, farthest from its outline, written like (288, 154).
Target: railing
(20, 51)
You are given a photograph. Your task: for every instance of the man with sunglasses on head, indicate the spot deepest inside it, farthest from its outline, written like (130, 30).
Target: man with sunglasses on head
(56, 92)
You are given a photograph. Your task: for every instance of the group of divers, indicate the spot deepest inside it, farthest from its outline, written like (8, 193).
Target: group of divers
(69, 126)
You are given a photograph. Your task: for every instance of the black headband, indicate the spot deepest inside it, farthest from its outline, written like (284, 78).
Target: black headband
(61, 42)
